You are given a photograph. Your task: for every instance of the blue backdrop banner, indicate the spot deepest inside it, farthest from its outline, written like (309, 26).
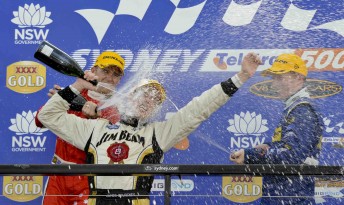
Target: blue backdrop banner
(188, 45)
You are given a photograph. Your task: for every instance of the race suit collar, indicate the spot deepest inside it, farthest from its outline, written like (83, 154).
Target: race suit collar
(300, 94)
(131, 121)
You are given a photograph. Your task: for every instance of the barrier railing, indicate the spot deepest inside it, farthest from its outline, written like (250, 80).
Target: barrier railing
(167, 170)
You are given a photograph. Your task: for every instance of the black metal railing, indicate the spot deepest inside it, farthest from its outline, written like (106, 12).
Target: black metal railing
(168, 170)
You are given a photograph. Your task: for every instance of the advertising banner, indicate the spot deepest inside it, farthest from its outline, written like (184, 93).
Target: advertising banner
(188, 46)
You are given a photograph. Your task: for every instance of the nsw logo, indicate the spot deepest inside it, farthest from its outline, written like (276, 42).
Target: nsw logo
(246, 124)
(28, 18)
(28, 137)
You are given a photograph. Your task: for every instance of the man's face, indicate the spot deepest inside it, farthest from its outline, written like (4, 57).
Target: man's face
(283, 84)
(145, 101)
(108, 77)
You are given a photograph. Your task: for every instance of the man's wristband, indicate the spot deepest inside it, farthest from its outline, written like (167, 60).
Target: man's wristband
(67, 94)
(229, 87)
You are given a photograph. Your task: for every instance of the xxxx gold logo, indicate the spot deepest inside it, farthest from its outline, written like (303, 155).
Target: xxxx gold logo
(316, 88)
(22, 188)
(26, 77)
(242, 189)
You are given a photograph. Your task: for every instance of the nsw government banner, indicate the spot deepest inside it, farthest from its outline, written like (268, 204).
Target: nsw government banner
(189, 46)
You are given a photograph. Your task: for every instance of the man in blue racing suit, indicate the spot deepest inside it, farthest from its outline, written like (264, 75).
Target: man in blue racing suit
(297, 138)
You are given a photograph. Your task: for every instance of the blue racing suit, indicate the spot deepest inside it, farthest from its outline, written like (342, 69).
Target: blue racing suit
(297, 140)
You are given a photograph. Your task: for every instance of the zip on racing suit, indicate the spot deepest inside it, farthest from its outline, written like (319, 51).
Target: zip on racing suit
(297, 140)
(127, 142)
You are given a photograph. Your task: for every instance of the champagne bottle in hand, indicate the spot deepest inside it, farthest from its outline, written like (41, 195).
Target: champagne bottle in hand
(59, 60)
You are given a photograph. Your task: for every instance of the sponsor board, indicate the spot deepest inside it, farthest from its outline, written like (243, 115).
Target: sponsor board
(247, 124)
(230, 60)
(161, 168)
(242, 188)
(317, 59)
(332, 139)
(28, 136)
(184, 185)
(22, 188)
(31, 21)
(26, 77)
(214, 60)
(145, 60)
(337, 142)
(323, 59)
(328, 187)
(247, 128)
(315, 87)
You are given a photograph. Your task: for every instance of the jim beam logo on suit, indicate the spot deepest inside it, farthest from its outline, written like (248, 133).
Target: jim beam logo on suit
(22, 188)
(124, 135)
(26, 77)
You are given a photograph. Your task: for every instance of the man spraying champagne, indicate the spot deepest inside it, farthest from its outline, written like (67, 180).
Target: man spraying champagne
(133, 140)
(109, 67)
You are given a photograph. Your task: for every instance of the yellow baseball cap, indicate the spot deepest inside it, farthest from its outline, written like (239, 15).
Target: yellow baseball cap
(285, 63)
(108, 58)
(155, 84)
